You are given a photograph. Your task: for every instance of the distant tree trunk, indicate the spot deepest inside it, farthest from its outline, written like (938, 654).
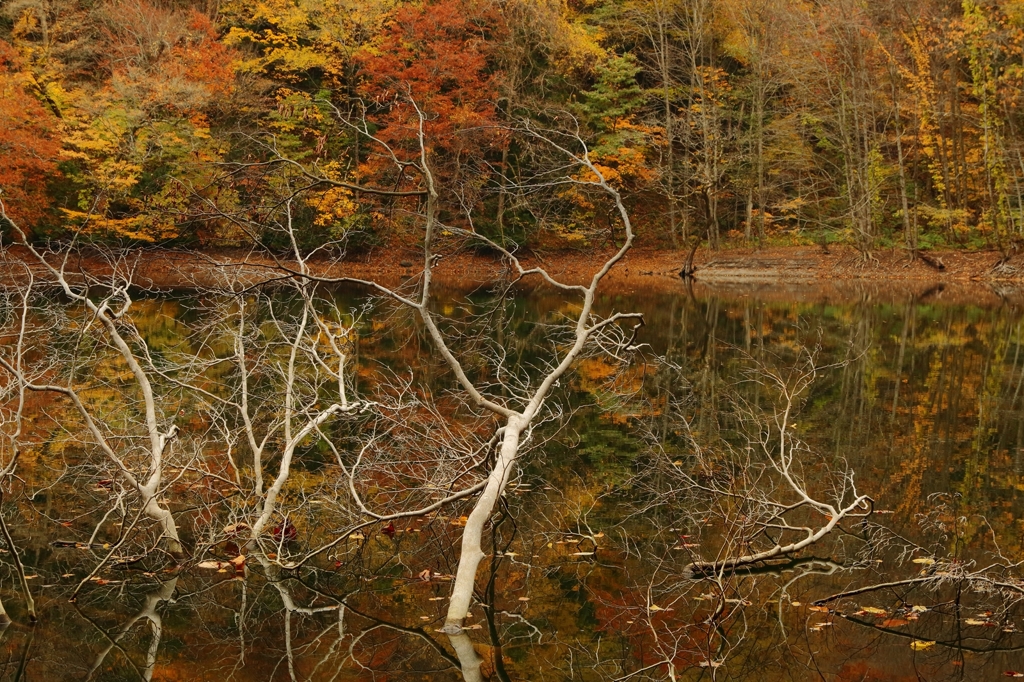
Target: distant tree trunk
(501, 197)
(665, 67)
(909, 234)
(759, 157)
(750, 214)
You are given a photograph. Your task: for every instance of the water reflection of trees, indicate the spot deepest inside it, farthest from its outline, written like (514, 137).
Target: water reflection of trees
(704, 459)
(923, 388)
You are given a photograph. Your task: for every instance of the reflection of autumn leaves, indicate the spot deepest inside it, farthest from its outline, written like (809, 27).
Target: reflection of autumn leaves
(607, 380)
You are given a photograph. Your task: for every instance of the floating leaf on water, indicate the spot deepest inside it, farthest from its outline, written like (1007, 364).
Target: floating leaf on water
(208, 564)
(710, 664)
(1012, 673)
(796, 603)
(975, 621)
(356, 536)
(436, 599)
(918, 608)
(874, 611)
(582, 554)
(68, 575)
(918, 645)
(524, 599)
(927, 561)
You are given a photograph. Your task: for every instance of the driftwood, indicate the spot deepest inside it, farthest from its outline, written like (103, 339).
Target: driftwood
(781, 491)
(688, 268)
(928, 260)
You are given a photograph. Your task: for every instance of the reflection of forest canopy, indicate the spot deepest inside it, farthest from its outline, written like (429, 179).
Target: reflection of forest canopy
(927, 389)
(872, 123)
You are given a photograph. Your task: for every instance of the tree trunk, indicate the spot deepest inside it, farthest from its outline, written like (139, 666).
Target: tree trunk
(501, 197)
(168, 527)
(472, 552)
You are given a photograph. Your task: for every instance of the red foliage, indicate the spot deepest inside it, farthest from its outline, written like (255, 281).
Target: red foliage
(29, 144)
(436, 54)
(167, 58)
(284, 532)
(204, 59)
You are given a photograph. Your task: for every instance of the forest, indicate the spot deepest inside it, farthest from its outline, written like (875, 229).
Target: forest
(882, 124)
(345, 339)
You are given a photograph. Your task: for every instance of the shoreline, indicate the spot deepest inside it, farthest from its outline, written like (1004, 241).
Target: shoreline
(782, 273)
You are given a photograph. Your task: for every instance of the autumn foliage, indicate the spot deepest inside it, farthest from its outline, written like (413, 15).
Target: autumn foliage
(29, 143)
(874, 124)
(434, 55)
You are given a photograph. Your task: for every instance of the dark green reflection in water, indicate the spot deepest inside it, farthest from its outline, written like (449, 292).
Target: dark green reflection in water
(926, 410)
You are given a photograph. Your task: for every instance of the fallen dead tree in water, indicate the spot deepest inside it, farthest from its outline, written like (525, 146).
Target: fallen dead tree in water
(750, 496)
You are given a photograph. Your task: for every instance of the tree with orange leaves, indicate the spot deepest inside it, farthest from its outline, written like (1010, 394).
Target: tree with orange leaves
(28, 143)
(434, 56)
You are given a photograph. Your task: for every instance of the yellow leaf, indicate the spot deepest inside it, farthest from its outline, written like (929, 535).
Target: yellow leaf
(918, 645)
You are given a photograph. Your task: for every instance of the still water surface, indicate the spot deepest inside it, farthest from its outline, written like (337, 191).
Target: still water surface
(922, 399)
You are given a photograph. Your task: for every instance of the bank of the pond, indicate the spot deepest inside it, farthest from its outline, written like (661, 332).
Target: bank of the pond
(841, 273)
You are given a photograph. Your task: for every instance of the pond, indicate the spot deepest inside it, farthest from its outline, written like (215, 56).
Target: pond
(914, 400)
